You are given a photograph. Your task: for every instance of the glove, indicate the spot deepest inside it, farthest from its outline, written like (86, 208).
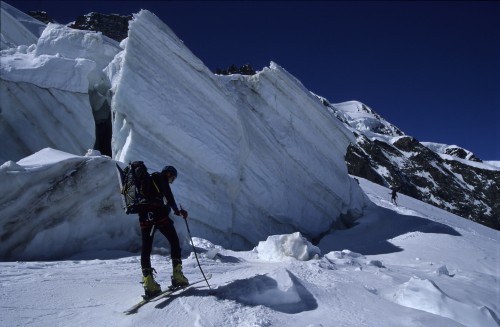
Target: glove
(182, 213)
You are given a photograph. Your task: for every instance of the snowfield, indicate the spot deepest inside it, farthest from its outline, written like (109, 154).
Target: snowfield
(413, 265)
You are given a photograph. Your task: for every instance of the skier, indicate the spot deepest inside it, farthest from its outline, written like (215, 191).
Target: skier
(156, 217)
(394, 195)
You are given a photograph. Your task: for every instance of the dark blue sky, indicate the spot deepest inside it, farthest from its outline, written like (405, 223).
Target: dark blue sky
(431, 68)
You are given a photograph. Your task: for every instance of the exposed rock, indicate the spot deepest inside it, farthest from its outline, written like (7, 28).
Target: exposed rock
(465, 190)
(113, 26)
(384, 155)
(461, 153)
(41, 16)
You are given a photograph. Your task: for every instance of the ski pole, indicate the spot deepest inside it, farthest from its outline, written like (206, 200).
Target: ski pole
(194, 250)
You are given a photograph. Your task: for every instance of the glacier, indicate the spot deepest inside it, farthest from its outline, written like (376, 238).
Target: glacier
(245, 146)
(265, 150)
(52, 90)
(257, 155)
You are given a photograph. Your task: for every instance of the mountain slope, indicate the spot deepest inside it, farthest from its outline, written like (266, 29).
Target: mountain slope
(445, 176)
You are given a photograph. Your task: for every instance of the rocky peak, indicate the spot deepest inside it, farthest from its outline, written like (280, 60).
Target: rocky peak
(113, 26)
(426, 171)
(458, 152)
(41, 16)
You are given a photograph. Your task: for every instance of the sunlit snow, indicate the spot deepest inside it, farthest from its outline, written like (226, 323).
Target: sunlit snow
(290, 238)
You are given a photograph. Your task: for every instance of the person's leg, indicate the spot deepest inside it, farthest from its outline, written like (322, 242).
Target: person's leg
(167, 228)
(151, 287)
(147, 234)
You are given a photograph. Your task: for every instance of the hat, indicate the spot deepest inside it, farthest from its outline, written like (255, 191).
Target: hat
(170, 169)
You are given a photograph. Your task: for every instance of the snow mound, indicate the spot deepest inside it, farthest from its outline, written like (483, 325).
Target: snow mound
(281, 247)
(425, 295)
(45, 156)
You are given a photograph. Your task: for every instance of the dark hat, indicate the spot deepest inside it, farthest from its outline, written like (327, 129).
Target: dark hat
(170, 169)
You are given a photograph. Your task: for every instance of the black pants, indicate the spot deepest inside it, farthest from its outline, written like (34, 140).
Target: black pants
(158, 219)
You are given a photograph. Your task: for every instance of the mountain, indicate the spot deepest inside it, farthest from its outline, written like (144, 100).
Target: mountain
(41, 16)
(448, 177)
(290, 237)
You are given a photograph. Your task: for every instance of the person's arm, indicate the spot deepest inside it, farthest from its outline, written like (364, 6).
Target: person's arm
(169, 196)
(167, 193)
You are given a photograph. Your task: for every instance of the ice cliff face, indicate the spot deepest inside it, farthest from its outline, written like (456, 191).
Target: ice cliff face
(53, 90)
(17, 28)
(254, 152)
(56, 195)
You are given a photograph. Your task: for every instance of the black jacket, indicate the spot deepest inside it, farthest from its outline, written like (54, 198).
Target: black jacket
(161, 182)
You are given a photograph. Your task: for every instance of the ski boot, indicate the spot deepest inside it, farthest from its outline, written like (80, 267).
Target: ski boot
(151, 287)
(178, 278)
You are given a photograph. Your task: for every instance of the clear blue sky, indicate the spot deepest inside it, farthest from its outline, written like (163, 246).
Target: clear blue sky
(431, 68)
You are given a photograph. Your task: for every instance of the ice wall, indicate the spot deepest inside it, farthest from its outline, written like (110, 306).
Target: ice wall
(55, 204)
(256, 155)
(17, 28)
(45, 91)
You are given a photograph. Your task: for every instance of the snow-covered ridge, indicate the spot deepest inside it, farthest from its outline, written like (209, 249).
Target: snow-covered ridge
(362, 119)
(452, 151)
(447, 176)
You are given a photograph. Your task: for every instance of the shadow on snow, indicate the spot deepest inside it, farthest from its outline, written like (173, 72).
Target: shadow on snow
(372, 233)
(259, 290)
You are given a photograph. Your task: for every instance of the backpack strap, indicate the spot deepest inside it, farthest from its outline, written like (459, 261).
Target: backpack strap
(156, 186)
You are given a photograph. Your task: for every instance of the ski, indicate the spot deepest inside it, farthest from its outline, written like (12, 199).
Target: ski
(169, 291)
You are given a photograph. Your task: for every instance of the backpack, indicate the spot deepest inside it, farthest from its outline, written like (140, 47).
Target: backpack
(138, 189)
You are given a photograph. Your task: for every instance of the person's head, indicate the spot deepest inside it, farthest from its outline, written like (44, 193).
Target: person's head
(170, 173)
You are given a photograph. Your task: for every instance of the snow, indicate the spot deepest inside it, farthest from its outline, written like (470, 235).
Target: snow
(17, 28)
(365, 120)
(493, 163)
(413, 265)
(425, 295)
(277, 247)
(290, 238)
(60, 75)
